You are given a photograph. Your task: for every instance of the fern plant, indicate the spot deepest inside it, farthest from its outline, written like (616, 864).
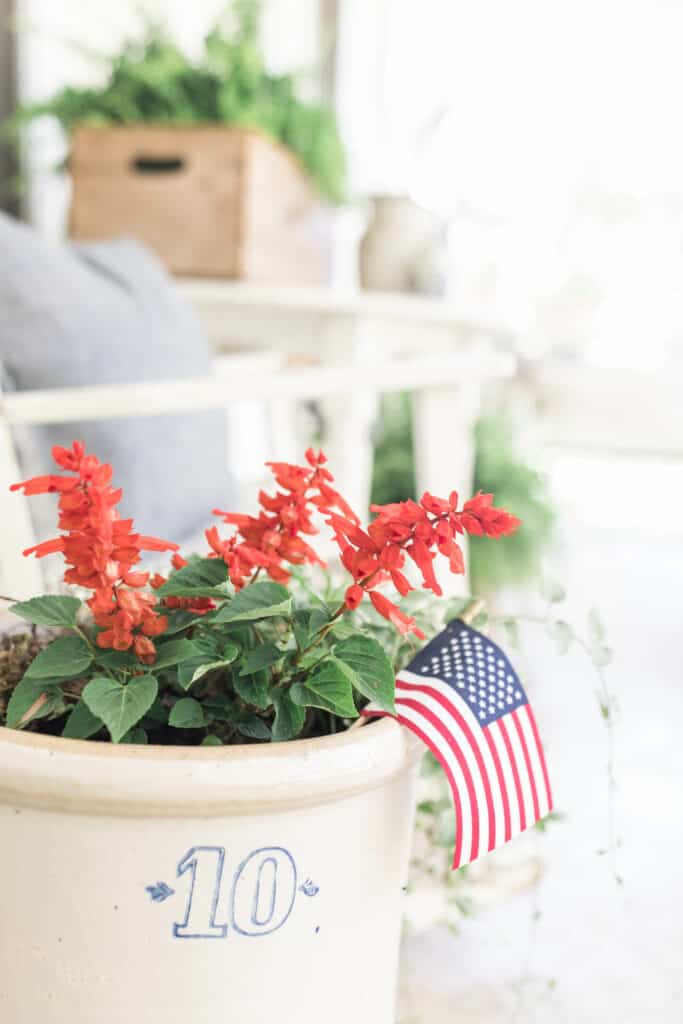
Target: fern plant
(151, 80)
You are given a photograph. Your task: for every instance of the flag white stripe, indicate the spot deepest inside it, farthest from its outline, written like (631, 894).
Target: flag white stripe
(453, 698)
(524, 781)
(534, 757)
(465, 748)
(439, 743)
(506, 767)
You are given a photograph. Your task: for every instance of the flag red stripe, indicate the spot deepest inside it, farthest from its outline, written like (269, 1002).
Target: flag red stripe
(452, 710)
(459, 756)
(515, 775)
(501, 783)
(539, 747)
(409, 724)
(527, 761)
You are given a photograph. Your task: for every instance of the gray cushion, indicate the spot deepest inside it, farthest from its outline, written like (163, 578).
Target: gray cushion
(107, 313)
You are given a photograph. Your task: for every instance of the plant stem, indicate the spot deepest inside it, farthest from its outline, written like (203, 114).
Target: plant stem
(606, 706)
(84, 636)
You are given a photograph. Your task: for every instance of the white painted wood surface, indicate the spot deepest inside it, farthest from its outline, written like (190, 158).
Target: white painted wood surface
(363, 334)
(119, 401)
(277, 349)
(610, 409)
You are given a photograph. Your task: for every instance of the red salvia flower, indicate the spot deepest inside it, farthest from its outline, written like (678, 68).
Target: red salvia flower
(420, 530)
(100, 550)
(353, 597)
(403, 623)
(417, 530)
(275, 537)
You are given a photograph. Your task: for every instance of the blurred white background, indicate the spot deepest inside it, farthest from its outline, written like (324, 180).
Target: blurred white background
(545, 132)
(547, 135)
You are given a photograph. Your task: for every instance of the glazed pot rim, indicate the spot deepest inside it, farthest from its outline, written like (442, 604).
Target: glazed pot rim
(83, 776)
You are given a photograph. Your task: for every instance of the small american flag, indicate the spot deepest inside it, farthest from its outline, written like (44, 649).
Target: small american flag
(463, 698)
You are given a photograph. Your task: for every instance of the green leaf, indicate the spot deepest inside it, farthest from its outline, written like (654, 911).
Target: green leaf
(50, 610)
(81, 723)
(260, 657)
(596, 629)
(178, 621)
(202, 577)
(445, 835)
(118, 660)
(548, 819)
(312, 658)
(480, 621)
(254, 689)
(173, 652)
(562, 635)
(455, 607)
(430, 765)
(66, 657)
(371, 671)
(511, 628)
(464, 904)
(211, 741)
(31, 700)
(553, 591)
(190, 673)
(301, 626)
(220, 709)
(601, 656)
(289, 717)
(187, 713)
(194, 669)
(157, 715)
(318, 618)
(253, 727)
(137, 736)
(343, 629)
(261, 600)
(329, 688)
(120, 705)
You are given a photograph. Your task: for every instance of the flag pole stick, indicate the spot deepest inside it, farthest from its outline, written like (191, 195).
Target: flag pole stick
(467, 616)
(470, 613)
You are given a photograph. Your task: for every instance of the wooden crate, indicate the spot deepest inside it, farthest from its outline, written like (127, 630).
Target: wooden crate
(210, 201)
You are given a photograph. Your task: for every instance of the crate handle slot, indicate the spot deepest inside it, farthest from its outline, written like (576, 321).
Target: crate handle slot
(157, 164)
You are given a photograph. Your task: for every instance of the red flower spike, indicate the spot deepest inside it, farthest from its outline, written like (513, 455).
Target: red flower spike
(100, 551)
(419, 530)
(353, 596)
(438, 506)
(403, 623)
(423, 558)
(315, 460)
(47, 547)
(274, 537)
(400, 582)
(145, 650)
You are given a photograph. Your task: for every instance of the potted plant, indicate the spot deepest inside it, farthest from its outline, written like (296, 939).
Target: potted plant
(187, 808)
(214, 162)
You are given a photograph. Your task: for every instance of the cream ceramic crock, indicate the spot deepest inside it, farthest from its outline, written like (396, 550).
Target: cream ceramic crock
(160, 885)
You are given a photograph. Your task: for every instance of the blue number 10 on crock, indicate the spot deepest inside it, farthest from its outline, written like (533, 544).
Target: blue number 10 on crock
(260, 899)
